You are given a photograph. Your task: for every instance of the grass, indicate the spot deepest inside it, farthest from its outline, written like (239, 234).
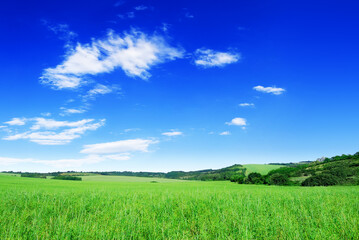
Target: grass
(55, 209)
(260, 168)
(103, 178)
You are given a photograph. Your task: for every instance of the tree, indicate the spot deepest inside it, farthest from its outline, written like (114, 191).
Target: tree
(321, 180)
(255, 178)
(278, 179)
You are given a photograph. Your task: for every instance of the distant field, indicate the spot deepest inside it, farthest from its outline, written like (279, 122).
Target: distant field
(10, 174)
(55, 209)
(260, 168)
(102, 178)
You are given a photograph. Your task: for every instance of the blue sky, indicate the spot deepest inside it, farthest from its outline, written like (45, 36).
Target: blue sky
(163, 85)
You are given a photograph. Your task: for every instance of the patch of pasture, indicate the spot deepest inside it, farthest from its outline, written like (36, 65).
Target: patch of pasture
(104, 178)
(260, 168)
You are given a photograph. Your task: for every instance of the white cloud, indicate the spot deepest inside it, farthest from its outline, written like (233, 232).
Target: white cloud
(211, 58)
(101, 89)
(69, 164)
(73, 130)
(131, 130)
(118, 151)
(67, 111)
(141, 8)
(17, 121)
(165, 27)
(119, 3)
(46, 114)
(225, 133)
(246, 104)
(172, 133)
(54, 124)
(237, 122)
(131, 145)
(188, 15)
(273, 90)
(61, 30)
(135, 53)
(130, 14)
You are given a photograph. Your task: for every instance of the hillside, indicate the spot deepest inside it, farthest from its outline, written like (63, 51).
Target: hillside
(338, 170)
(209, 174)
(260, 168)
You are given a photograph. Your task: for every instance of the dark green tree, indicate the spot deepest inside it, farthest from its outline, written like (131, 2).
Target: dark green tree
(278, 179)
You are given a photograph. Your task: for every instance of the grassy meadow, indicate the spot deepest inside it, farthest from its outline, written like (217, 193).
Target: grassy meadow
(131, 208)
(260, 168)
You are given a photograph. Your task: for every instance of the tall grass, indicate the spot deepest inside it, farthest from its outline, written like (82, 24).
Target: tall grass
(45, 209)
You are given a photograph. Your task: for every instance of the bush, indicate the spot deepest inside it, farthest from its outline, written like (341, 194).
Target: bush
(321, 180)
(278, 179)
(237, 179)
(67, 177)
(33, 175)
(255, 178)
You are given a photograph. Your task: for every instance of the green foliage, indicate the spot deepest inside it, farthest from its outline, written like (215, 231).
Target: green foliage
(321, 180)
(237, 179)
(67, 177)
(342, 169)
(278, 179)
(255, 178)
(33, 175)
(209, 174)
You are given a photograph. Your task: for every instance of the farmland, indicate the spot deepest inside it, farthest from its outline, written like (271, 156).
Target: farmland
(260, 168)
(132, 208)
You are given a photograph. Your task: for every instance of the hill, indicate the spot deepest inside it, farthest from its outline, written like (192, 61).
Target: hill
(209, 174)
(260, 168)
(338, 170)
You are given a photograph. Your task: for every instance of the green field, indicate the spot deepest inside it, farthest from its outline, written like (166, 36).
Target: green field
(102, 178)
(260, 168)
(57, 209)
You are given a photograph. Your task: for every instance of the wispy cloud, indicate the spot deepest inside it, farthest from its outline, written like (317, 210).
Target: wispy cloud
(273, 90)
(123, 146)
(130, 14)
(101, 89)
(118, 151)
(46, 114)
(165, 27)
(246, 104)
(131, 130)
(119, 3)
(237, 122)
(188, 15)
(210, 58)
(52, 132)
(172, 133)
(225, 133)
(17, 122)
(62, 31)
(135, 53)
(140, 8)
(69, 111)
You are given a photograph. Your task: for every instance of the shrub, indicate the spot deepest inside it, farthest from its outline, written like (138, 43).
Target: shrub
(67, 177)
(237, 179)
(278, 179)
(33, 175)
(255, 178)
(321, 180)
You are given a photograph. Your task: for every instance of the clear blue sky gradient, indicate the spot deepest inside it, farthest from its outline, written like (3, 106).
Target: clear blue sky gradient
(308, 48)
